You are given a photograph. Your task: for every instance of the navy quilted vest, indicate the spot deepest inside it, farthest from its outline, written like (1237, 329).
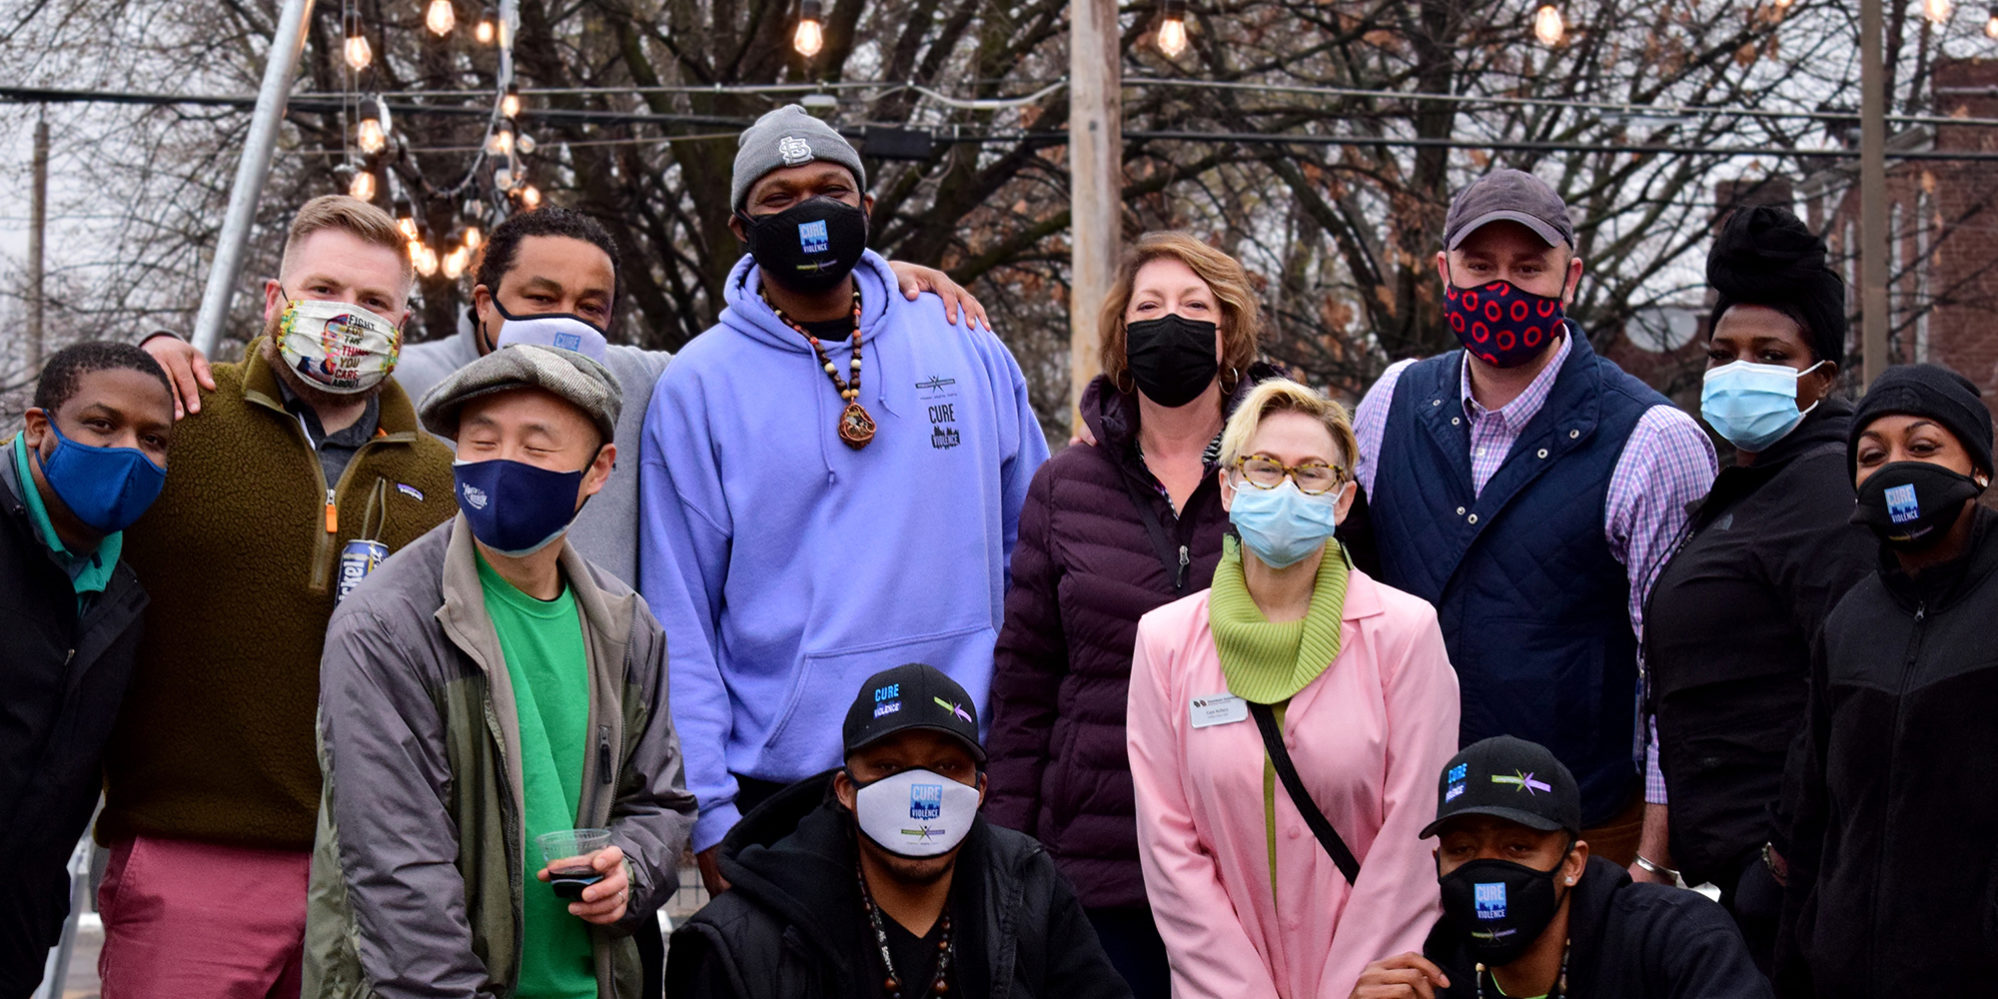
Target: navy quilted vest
(1534, 608)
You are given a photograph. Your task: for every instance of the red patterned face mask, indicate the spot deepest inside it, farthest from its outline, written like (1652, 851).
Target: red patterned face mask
(1502, 323)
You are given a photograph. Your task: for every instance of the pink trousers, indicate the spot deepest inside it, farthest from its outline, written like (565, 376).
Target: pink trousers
(185, 920)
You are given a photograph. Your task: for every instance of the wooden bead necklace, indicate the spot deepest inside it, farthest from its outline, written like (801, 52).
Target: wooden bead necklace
(892, 984)
(856, 426)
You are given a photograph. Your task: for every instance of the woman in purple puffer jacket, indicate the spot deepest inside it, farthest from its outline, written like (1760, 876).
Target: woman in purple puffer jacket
(1109, 532)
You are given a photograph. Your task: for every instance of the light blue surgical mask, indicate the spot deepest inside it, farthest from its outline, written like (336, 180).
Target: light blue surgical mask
(1753, 405)
(1282, 526)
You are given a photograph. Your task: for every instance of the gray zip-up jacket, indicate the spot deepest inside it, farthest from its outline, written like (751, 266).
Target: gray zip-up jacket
(417, 870)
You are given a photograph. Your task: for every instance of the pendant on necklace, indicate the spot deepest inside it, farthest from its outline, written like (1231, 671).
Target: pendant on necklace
(856, 428)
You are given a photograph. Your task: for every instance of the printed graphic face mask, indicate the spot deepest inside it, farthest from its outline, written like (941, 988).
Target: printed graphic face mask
(1171, 358)
(1502, 323)
(516, 508)
(1911, 505)
(337, 347)
(107, 488)
(1753, 405)
(809, 247)
(915, 813)
(1283, 525)
(1504, 906)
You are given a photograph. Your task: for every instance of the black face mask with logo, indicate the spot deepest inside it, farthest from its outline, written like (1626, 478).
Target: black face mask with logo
(809, 247)
(1503, 906)
(1911, 505)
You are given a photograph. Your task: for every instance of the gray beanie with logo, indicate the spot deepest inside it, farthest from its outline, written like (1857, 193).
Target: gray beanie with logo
(788, 137)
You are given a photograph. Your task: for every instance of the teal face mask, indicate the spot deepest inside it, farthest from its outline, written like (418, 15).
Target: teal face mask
(1283, 525)
(1753, 405)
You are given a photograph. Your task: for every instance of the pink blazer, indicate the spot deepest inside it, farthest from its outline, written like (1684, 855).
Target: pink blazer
(1370, 737)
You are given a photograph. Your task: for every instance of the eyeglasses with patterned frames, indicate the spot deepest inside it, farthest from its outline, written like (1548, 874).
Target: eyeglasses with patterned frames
(1313, 478)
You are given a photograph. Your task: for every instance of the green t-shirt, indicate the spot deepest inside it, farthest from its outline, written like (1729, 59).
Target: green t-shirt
(543, 645)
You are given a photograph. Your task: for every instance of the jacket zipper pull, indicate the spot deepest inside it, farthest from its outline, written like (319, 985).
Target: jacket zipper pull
(332, 514)
(603, 756)
(1179, 581)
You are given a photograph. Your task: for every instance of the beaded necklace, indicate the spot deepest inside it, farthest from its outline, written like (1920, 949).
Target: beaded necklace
(892, 984)
(856, 426)
(1560, 990)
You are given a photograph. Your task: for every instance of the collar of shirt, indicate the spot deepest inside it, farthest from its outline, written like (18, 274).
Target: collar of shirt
(87, 573)
(351, 438)
(1526, 405)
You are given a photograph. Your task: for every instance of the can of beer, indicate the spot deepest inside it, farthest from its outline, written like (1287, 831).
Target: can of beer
(357, 559)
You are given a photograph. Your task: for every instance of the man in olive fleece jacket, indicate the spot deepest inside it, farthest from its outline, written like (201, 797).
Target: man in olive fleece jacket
(211, 778)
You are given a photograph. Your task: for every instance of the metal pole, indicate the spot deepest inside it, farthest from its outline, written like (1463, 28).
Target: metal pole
(279, 68)
(38, 220)
(1873, 234)
(1095, 169)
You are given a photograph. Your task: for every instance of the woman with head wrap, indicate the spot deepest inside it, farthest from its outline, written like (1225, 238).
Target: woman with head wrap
(1764, 558)
(1890, 861)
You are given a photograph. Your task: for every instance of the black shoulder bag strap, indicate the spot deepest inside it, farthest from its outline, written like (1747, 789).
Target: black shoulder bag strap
(1321, 827)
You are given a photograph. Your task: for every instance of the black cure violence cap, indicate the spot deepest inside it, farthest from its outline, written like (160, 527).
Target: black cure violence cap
(911, 696)
(1511, 779)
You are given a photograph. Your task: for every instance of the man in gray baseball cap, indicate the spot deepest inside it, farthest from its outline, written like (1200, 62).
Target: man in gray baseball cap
(800, 459)
(485, 687)
(1531, 490)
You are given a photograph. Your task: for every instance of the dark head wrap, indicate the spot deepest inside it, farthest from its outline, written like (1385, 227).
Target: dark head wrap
(1767, 256)
(1932, 392)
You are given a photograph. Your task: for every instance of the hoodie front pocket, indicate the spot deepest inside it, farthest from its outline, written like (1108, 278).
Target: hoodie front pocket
(825, 683)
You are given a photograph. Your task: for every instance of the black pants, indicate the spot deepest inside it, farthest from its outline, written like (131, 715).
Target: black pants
(652, 958)
(1755, 901)
(1131, 939)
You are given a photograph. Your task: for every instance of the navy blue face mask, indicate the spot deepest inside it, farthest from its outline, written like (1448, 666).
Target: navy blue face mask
(515, 508)
(105, 487)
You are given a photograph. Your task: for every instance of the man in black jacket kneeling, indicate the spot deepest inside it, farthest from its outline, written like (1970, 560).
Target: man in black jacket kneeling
(881, 879)
(1527, 911)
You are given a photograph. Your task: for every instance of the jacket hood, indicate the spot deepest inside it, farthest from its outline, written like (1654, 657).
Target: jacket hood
(749, 314)
(1112, 416)
(794, 854)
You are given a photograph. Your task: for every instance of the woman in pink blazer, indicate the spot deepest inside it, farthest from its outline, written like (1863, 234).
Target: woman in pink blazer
(1250, 904)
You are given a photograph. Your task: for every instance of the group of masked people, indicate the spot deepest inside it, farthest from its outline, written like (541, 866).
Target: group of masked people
(1238, 695)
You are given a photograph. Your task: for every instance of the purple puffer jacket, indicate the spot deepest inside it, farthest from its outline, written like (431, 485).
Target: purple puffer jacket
(1084, 570)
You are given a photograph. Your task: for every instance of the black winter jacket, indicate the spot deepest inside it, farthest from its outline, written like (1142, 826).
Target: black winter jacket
(1894, 855)
(792, 925)
(1630, 941)
(1728, 636)
(63, 680)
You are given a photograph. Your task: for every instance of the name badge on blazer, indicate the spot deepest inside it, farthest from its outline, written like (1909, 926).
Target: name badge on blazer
(1219, 709)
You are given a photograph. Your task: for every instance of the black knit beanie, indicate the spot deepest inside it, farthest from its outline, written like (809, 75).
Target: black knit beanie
(1929, 391)
(1767, 256)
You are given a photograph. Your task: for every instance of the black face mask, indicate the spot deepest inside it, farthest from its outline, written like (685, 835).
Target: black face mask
(1911, 504)
(1504, 906)
(809, 247)
(1171, 358)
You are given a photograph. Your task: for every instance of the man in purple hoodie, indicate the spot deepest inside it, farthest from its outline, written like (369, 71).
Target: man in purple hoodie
(830, 482)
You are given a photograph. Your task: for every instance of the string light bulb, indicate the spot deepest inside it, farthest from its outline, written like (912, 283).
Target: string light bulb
(1548, 25)
(501, 143)
(362, 187)
(426, 260)
(454, 262)
(473, 237)
(405, 221)
(371, 138)
(530, 197)
(510, 103)
(357, 50)
(487, 29)
(440, 17)
(1172, 29)
(810, 36)
(1938, 11)
(1991, 24)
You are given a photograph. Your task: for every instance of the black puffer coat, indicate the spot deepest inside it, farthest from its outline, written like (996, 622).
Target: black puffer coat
(1085, 569)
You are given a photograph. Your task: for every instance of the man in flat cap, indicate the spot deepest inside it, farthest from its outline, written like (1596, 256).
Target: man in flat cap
(1531, 490)
(485, 687)
(830, 478)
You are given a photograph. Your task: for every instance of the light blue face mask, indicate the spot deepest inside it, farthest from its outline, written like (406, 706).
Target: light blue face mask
(1753, 405)
(1282, 526)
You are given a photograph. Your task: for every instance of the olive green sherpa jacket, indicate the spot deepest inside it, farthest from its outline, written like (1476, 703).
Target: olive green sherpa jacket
(215, 741)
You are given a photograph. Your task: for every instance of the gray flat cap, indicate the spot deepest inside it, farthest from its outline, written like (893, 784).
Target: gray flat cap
(587, 385)
(1511, 196)
(788, 137)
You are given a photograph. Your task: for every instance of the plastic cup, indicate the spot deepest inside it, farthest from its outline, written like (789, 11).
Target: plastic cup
(567, 852)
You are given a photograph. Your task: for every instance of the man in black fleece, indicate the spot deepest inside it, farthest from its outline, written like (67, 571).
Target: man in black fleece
(1527, 911)
(881, 878)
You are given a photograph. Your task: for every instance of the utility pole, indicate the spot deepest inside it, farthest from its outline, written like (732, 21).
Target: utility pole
(1095, 178)
(38, 220)
(280, 65)
(1873, 235)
